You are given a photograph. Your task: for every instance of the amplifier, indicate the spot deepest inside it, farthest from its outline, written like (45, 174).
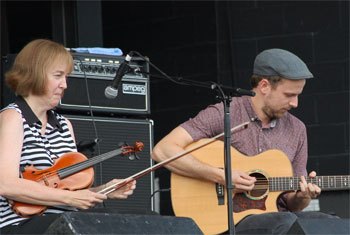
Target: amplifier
(92, 73)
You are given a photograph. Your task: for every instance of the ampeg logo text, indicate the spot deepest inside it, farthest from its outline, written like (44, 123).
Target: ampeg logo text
(134, 89)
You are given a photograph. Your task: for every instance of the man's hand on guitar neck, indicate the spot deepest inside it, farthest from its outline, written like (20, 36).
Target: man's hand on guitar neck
(308, 190)
(300, 199)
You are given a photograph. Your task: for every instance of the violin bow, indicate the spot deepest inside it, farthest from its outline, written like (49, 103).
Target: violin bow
(144, 172)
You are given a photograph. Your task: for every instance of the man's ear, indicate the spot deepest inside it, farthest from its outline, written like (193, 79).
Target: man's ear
(264, 86)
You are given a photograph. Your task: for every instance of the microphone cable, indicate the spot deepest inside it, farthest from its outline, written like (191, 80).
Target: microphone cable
(92, 118)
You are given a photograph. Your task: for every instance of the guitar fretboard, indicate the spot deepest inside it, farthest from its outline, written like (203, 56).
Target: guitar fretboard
(326, 183)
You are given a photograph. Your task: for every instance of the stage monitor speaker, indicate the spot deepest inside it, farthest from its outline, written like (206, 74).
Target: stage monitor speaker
(93, 73)
(320, 226)
(112, 223)
(111, 131)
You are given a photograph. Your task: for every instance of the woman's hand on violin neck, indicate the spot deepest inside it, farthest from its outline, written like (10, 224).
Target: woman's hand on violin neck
(123, 192)
(85, 199)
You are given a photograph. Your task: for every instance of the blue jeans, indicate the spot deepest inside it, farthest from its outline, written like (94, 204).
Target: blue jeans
(275, 222)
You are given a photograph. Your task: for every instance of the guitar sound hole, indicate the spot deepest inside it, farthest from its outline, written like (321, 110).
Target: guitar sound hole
(261, 185)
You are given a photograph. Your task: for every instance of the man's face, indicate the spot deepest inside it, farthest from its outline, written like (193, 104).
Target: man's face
(282, 98)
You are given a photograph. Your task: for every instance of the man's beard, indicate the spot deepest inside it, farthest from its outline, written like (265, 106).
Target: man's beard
(273, 114)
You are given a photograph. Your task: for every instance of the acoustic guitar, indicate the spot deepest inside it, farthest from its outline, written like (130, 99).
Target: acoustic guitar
(206, 202)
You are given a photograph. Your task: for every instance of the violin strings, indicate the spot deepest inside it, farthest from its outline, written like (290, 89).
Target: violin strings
(66, 171)
(90, 162)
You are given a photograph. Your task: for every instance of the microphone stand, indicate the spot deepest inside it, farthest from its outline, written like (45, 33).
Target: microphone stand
(226, 99)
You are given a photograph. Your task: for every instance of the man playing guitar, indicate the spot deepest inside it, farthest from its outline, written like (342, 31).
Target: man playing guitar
(278, 79)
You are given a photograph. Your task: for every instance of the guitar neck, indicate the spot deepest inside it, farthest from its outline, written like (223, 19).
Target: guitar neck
(326, 183)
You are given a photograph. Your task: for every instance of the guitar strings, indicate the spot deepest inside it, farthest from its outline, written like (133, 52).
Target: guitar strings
(293, 182)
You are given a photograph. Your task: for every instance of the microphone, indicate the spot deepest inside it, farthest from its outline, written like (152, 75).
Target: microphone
(235, 91)
(112, 91)
(241, 91)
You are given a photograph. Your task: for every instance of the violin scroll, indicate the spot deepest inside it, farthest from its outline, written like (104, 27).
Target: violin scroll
(138, 147)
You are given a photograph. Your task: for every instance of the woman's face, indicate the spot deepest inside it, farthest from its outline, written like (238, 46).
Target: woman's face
(56, 77)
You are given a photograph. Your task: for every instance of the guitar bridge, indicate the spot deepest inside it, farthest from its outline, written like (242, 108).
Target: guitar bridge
(220, 193)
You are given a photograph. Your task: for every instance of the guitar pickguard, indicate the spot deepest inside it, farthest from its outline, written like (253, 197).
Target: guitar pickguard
(242, 203)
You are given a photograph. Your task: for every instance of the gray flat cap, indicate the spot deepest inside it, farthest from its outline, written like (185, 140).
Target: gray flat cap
(280, 62)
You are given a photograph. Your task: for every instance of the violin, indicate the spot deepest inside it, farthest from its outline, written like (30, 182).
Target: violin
(72, 171)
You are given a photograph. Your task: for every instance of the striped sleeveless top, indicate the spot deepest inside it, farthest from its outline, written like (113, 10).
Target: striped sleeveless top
(38, 150)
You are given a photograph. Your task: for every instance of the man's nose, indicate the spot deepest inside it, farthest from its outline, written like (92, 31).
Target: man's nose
(294, 102)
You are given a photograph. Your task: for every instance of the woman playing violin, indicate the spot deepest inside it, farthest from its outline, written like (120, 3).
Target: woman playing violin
(32, 133)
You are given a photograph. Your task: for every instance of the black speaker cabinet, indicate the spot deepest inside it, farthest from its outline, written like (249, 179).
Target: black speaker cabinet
(112, 223)
(93, 73)
(111, 131)
(320, 226)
